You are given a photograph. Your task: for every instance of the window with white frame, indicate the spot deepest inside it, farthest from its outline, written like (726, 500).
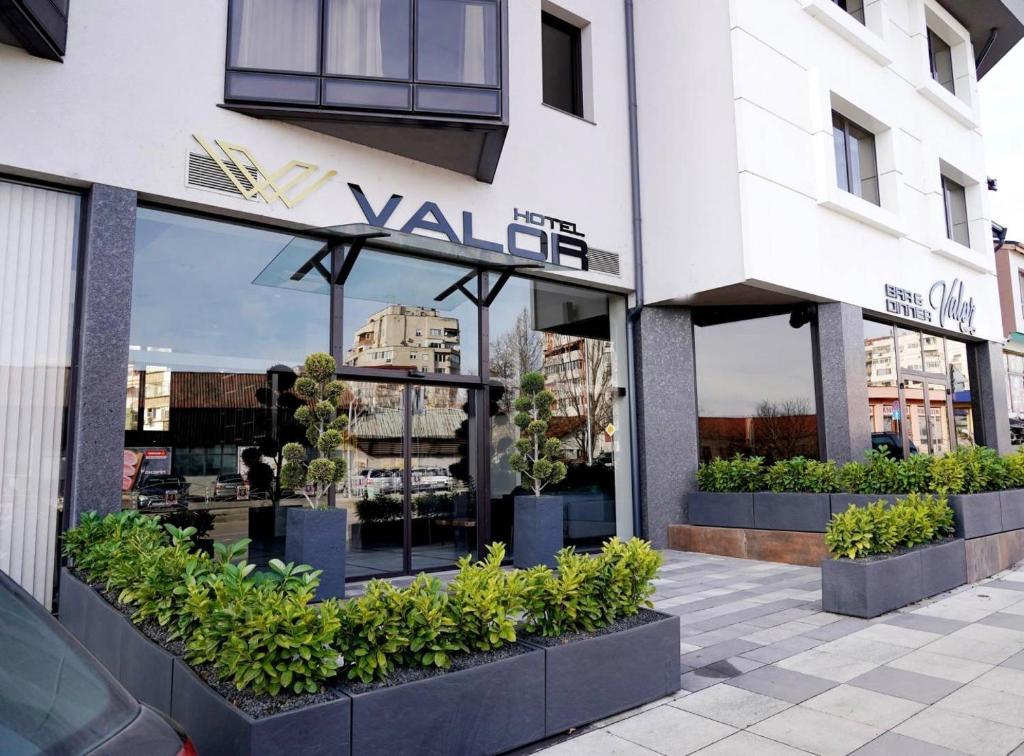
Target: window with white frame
(856, 160)
(954, 199)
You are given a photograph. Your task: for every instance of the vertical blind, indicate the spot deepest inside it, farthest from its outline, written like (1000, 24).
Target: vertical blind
(37, 253)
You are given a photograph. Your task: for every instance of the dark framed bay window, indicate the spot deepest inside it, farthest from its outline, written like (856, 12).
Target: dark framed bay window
(337, 65)
(562, 64)
(856, 160)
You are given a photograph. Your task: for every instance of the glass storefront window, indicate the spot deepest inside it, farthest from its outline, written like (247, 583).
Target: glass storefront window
(566, 333)
(393, 319)
(932, 372)
(755, 389)
(213, 351)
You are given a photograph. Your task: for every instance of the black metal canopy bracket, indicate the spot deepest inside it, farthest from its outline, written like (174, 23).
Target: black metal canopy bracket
(355, 242)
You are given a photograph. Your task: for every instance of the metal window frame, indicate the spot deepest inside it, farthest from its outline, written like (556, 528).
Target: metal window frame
(858, 15)
(933, 68)
(850, 156)
(575, 34)
(412, 81)
(948, 187)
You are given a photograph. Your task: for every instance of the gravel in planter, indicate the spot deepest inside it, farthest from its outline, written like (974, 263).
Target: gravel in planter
(403, 675)
(161, 636)
(257, 706)
(643, 617)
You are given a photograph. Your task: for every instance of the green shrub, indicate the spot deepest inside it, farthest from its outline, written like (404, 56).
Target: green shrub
(852, 477)
(914, 474)
(881, 475)
(863, 531)
(737, 475)
(261, 630)
(800, 474)
(587, 593)
(380, 508)
(1015, 469)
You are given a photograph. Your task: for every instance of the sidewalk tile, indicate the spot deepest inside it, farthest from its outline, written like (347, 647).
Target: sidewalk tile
(897, 636)
(782, 649)
(936, 625)
(749, 744)
(816, 731)
(902, 684)
(827, 665)
(890, 743)
(670, 731)
(1004, 679)
(732, 706)
(953, 668)
(961, 732)
(597, 743)
(868, 707)
(782, 683)
(864, 649)
(984, 703)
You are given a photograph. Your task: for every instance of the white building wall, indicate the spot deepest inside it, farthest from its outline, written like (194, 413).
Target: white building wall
(140, 78)
(792, 230)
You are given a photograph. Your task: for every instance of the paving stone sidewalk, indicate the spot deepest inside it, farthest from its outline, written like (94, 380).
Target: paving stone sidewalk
(766, 672)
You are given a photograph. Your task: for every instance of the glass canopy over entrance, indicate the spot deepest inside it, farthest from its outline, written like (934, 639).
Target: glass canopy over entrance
(432, 347)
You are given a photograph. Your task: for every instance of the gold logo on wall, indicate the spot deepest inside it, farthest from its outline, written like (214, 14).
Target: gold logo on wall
(282, 184)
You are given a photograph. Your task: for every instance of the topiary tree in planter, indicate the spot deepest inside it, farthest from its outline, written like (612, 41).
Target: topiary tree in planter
(538, 522)
(325, 430)
(318, 535)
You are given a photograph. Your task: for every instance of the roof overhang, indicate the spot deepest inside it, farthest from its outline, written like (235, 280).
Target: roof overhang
(981, 17)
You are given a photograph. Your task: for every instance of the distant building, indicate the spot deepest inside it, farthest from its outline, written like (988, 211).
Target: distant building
(1010, 273)
(407, 338)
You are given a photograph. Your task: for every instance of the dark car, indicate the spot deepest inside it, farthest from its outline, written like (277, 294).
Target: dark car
(892, 442)
(55, 698)
(226, 486)
(157, 490)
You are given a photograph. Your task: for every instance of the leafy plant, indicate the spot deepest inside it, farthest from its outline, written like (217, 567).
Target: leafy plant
(199, 519)
(1014, 464)
(737, 475)
(487, 600)
(802, 475)
(914, 474)
(380, 508)
(874, 529)
(536, 456)
(324, 432)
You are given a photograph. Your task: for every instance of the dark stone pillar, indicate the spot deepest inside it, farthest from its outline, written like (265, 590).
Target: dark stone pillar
(842, 382)
(667, 407)
(991, 405)
(96, 442)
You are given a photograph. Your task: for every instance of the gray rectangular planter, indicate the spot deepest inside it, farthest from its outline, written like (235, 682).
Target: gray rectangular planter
(137, 662)
(218, 727)
(873, 586)
(840, 502)
(317, 537)
(146, 669)
(943, 567)
(977, 515)
(1011, 504)
(537, 530)
(807, 512)
(597, 677)
(721, 510)
(491, 708)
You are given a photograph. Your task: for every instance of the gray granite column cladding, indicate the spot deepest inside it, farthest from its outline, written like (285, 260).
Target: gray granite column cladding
(992, 407)
(105, 300)
(667, 428)
(843, 392)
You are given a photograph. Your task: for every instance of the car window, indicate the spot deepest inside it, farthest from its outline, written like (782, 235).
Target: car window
(53, 698)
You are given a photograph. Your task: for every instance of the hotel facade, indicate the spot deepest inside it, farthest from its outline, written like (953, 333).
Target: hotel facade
(755, 226)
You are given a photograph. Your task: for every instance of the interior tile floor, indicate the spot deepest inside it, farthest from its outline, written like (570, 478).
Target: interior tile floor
(765, 671)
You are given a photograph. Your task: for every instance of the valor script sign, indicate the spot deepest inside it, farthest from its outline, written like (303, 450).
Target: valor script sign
(946, 304)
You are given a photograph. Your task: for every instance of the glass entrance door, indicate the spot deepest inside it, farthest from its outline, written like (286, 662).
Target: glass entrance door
(410, 490)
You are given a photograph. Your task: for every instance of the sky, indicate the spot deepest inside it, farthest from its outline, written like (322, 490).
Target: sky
(1002, 112)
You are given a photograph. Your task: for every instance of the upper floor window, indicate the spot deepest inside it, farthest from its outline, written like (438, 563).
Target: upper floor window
(954, 198)
(856, 163)
(940, 59)
(854, 7)
(562, 63)
(1020, 282)
(377, 54)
